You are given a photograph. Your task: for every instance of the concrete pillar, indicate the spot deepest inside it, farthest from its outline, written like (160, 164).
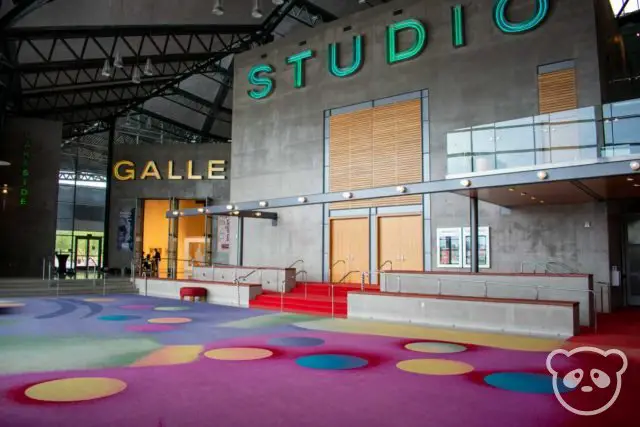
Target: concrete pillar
(107, 202)
(172, 247)
(473, 225)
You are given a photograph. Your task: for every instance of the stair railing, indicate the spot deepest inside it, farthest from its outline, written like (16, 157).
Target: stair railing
(334, 264)
(347, 275)
(304, 275)
(385, 263)
(296, 262)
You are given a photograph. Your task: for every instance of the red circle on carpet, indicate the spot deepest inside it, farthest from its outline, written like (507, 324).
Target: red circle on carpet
(150, 328)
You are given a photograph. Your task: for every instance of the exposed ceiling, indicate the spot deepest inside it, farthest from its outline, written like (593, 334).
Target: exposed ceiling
(561, 192)
(162, 70)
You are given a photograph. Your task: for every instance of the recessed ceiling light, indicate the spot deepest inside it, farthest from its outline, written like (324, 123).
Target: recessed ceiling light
(523, 194)
(236, 213)
(636, 185)
(512, 189)
(542, 201)
(258, 214)
(533, 198)
(629, 179)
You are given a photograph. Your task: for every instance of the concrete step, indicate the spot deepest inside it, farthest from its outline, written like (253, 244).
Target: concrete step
(66, 290)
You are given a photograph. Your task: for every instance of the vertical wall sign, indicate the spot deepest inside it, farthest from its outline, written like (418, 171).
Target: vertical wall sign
(24, 175)
(457, 26)
(508, 27)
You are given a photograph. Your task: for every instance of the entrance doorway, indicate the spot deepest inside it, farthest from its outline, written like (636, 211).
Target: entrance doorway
(400, 243)
(349, 254)
(633, 260)
(88, 253)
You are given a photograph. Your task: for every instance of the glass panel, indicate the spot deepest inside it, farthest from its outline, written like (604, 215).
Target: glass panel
(483, 141)
(460, 164)
(515, 135)
(626, 130)
(458, 142)
(515, 160)
(484, 163)
(633, 232)
(625, 108)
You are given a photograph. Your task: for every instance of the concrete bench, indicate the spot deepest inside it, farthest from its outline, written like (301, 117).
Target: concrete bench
(517, 316)
(222, 293)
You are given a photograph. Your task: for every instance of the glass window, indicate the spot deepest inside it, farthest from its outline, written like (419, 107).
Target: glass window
(459, 142)
(458, 164)
(515, 160)
(625, 108)
(515, 135)
(483, 140)
(484, 163)
(542, 136)
(626, 130)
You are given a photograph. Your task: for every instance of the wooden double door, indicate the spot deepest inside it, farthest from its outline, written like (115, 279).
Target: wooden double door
(399, 241)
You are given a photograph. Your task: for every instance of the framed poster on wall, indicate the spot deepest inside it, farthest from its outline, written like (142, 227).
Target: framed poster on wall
(484, 247)
(224, 226)
(449, 247)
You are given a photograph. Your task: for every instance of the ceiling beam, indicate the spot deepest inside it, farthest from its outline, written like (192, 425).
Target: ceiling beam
(19, 11)
(67, 89)
(178, 124)
(314, 9)
(80, 32)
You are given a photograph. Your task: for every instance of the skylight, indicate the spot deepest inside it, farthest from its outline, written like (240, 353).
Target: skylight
(632, 6)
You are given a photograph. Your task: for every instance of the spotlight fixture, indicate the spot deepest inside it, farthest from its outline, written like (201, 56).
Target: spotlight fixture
(106, 69)
(629, 179)
(512, 189)
(256, 12)
(523, 194)
(263, 204)
(236, 213)
(181, 213)
(5, 189)
(4, 163)
(533, 198)
(258, 214)
(302, 199)
(635, 166)
(176, 213)
(135, 75)
(201, 210)
(401, 189)
(148, 68)
(117, 60)
(543, 175)
(229, 207)
(347, 195)
(207, 211)
(465, 183)
(218, 9)
(636, 185)
(542, 202)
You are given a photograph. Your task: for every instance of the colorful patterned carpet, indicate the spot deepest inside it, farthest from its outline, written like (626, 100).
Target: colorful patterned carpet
(132, 361)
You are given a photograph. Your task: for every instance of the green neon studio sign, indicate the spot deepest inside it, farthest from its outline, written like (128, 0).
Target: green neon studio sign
(260, 77)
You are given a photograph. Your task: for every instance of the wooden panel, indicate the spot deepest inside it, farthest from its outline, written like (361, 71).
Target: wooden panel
(349, 243)
(389, 241)
(557, 91)
(411, 238)
(377, 147)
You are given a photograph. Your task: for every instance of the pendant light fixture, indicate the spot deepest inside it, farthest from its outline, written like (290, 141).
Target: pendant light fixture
(135, 77)
(117, 61)
(218, 9)
(106, 69)
(148, 68)
(256, 12)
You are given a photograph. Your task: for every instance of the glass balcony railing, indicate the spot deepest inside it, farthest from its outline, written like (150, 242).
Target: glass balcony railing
(580, 135)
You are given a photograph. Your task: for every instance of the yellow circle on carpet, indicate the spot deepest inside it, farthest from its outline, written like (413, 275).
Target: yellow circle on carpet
(238, 353)
(434, 367)
(99, 299)
(75, 389)
(170, 320)
(435, 347)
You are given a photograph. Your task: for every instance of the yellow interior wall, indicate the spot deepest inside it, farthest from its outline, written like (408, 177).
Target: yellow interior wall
(156, 230)
(188, 227)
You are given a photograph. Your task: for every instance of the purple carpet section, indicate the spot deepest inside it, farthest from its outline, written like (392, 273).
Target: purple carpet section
(271, 392)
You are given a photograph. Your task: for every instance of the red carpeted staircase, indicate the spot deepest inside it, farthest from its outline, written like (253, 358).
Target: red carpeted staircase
(316, 301)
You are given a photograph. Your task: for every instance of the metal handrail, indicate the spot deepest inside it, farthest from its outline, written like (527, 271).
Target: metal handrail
(385, 263)
(487, 282)
(295, 262)
(305, 278)
(564, 268)
(338, 262)
(246, 276)
(347, 275)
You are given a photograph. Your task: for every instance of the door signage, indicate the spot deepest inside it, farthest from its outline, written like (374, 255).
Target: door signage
(261, 75)
(126, 170)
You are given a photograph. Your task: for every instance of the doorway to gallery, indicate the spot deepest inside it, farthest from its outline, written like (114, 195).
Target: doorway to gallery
(88, 254)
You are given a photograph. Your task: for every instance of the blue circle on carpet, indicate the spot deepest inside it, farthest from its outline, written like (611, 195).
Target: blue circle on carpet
(296, 342)
(524, 382)
(118, 317)
(331, 362)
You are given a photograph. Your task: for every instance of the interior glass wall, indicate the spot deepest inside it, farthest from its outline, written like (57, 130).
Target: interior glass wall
(191, 239)
(155, 234)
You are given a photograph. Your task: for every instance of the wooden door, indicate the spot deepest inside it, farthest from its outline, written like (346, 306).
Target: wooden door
(349, 248)
(411, 251)
(400, 241)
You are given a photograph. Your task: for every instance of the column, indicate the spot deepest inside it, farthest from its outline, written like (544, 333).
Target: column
(172, 247)
(107, 201)
(473, 225)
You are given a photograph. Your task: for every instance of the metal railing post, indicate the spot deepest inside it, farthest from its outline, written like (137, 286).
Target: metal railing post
(333, 302)
(439, 287)
(44, 266)
(146, 286)
(281, 288)
(398, 280)
(486, 290)
(104, 284)
(537, 293)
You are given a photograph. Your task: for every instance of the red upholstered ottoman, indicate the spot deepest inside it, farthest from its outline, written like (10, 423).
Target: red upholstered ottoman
(193, 293)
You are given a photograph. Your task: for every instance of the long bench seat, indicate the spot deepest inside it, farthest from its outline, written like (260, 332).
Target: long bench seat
(518, 316)
(223, 293)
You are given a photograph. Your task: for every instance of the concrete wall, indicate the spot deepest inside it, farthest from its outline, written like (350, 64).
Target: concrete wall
(28, 231)
(125, 193)
(277, 142)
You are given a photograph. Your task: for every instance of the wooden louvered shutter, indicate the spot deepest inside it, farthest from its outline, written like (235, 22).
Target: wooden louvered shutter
(557, 91)
(376, 147)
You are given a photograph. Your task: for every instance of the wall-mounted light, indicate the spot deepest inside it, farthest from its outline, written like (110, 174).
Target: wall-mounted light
(258, 214)
(401, 189)
(181, 213)
(635, 166)
(302, 199)
(201, 210)
(263, 204)
(236, 212)
(347, 195)
(465, 183)
(229, 207)
(176, 213)
(542, 175)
